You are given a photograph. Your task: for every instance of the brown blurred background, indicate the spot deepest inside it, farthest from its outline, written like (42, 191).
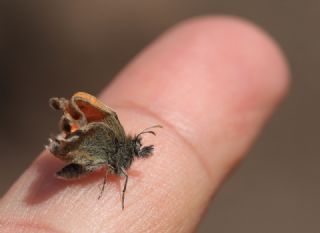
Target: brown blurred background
(54, 48)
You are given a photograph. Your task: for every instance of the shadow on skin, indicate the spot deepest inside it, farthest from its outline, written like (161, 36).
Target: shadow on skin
(47, 185)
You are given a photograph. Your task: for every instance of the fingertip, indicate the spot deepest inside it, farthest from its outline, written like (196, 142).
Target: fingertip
(202, 70)
(238, 40)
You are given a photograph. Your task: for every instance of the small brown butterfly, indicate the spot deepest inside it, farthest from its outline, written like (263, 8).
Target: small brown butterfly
(92, 137)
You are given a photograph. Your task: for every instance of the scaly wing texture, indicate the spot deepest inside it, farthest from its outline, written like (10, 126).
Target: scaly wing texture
(95, 111)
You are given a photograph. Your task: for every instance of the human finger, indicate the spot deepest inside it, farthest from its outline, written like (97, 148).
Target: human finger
(212, 83)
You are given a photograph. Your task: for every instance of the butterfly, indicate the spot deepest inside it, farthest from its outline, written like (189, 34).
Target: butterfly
(92, 138)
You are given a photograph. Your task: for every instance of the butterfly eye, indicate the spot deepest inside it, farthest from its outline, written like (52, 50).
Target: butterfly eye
(138, 144)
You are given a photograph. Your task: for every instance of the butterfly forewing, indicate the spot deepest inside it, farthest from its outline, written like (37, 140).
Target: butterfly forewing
(94, 110)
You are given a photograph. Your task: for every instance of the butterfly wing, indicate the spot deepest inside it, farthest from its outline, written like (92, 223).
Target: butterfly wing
(96, 111)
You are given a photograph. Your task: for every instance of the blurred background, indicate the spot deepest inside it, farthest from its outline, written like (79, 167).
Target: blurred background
(54, 48)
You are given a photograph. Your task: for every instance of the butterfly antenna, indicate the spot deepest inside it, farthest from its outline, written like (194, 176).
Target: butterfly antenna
(146, 130)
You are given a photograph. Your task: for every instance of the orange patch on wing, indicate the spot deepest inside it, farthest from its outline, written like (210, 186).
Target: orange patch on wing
(93, 109)
(74, 127)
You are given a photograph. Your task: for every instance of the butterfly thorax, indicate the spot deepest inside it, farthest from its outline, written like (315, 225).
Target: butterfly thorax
(124, 156)
(127, 151)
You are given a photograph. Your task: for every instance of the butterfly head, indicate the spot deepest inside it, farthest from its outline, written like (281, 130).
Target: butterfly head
(143, 151)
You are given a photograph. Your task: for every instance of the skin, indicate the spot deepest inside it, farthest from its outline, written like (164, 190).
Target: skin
(212, 82)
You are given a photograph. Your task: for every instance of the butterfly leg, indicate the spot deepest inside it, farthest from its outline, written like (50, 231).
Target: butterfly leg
(123, 172)
(108, 169)
(103, 184)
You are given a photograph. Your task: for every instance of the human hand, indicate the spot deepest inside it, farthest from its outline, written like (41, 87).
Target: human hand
(212, 83)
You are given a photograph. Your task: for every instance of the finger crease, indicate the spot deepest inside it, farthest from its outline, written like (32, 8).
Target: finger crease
(145, 111)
